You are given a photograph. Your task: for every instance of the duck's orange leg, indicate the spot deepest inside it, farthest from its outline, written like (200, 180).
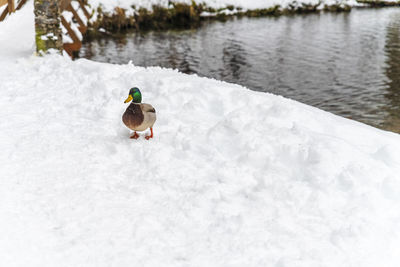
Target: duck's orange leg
(151, 135)
(134, 136)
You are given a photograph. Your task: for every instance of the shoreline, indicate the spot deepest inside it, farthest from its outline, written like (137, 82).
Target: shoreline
(186, 16)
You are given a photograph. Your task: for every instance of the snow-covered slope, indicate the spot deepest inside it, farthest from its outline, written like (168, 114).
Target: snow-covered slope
(232, 178)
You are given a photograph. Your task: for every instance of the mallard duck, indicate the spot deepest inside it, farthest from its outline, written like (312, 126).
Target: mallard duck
(138, 116)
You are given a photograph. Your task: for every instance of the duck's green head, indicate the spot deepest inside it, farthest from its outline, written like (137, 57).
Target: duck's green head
(134, 95)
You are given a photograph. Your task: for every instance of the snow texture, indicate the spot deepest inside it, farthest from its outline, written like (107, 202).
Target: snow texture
(17, 34)
(232, 177)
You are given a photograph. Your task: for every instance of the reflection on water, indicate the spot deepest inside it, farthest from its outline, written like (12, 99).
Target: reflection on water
(346, 63)
(392, 95)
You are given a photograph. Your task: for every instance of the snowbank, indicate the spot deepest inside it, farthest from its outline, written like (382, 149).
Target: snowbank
(232, 178)
(17, 34)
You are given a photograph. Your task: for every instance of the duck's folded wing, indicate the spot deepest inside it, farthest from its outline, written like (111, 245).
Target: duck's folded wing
(148, 108)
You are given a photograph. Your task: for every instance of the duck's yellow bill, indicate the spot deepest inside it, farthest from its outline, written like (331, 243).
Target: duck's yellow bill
(128, 99)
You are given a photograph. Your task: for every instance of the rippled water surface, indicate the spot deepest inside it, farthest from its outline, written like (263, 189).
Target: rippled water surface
(345, 63)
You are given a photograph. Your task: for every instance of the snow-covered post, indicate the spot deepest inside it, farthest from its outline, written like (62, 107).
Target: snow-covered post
(47, 25)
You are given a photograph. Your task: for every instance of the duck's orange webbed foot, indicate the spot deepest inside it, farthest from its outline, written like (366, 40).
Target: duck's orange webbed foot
(134, 136)
(151, 135)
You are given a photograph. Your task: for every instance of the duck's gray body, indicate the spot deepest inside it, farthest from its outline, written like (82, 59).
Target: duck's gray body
(139, 117)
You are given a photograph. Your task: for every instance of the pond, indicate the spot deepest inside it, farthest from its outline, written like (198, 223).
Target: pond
(344, 63)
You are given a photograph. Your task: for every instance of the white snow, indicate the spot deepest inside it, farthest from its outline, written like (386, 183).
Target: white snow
(233, 177)
(17, 37)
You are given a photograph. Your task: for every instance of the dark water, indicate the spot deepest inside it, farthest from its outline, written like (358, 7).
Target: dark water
(346, 63)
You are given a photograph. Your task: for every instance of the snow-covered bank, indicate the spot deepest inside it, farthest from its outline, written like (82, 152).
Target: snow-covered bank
(17, 37)
(109, 5)
(232, 178)
(161, 14)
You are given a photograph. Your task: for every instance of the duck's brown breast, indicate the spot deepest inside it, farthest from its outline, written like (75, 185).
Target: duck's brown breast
(133, 116)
